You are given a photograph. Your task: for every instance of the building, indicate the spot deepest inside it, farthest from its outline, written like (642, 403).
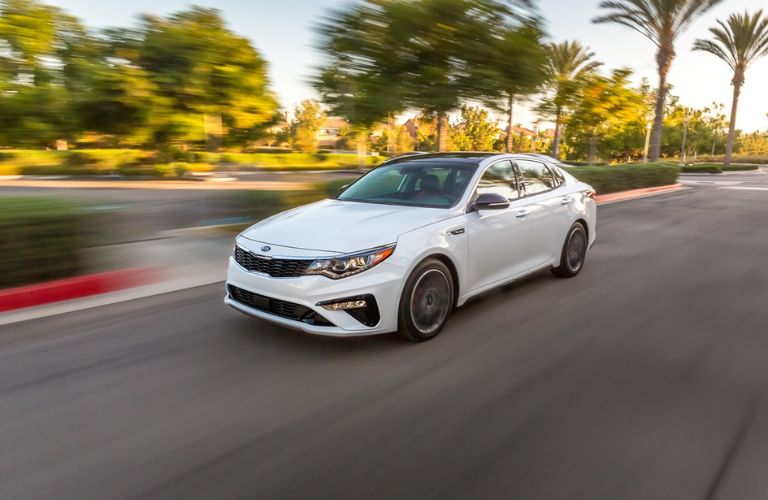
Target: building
(331, 132)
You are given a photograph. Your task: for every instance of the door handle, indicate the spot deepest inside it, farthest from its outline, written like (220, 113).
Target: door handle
(523, 213)
(457, 232)
(566, 201)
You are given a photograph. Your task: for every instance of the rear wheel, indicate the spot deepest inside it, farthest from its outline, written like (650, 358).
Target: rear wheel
(574, 252)
(426, 302)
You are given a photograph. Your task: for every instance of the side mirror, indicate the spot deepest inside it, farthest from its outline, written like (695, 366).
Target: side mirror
(491, 201)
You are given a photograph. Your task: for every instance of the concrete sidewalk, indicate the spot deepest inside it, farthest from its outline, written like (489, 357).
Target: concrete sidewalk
(181, 260)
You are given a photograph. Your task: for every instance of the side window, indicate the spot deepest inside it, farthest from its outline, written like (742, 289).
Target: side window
(537, 178)
(559, 178)
(499, 178)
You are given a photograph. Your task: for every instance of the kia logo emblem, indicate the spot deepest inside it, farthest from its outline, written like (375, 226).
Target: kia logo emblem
(266, 248)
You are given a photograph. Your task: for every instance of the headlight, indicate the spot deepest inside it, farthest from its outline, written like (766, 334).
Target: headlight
(347, 265)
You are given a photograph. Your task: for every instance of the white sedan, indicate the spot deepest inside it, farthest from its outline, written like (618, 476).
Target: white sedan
(408, 242)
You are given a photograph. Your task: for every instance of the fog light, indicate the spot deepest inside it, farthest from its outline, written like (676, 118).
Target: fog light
(346, 305)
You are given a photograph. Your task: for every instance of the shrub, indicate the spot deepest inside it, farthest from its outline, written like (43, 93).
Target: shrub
(702, 168)
(737, 158)
(625, 177)
(716, 168)
(585, 164)
(42, 240)
(258, 205)
(141, 170)
(740, 168)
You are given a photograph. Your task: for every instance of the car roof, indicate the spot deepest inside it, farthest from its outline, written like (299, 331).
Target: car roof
(471, 158)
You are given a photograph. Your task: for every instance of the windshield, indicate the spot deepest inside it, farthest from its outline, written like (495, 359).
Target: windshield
(415, 184)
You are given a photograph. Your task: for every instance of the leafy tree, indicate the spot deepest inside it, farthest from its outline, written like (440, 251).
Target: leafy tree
(738, 41)
(702, 128)
(451, 43)
(214, 81)
(607, 105)
(359, 78)
(120, 103)
(661, 21)
(474, 131)
(755, 143)
(512, 66)
(33, 104)
(426, 132)
(308, 118)
(426, 54)
(569, 66)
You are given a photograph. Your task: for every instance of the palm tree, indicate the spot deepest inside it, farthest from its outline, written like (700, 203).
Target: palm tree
(570, 63)
(739, 41)
(661, 21)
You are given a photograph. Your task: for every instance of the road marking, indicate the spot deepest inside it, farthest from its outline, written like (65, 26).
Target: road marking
(712, 183)
(746, 188)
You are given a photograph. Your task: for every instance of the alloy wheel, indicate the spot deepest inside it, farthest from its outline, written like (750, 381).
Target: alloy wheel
(430, 301)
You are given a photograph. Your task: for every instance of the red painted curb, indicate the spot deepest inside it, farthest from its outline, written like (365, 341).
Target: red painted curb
(636, 193)
(75, 288)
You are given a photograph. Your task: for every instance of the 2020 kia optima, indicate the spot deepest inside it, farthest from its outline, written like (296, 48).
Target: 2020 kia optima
(408, 242)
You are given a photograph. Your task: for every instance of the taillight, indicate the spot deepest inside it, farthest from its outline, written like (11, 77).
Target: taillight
(592, 194)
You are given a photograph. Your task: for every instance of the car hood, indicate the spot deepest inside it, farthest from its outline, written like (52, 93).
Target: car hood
(342, 226)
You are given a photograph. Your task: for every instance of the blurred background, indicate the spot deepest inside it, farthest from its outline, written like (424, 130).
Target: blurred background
(140, 137)
(177, 100)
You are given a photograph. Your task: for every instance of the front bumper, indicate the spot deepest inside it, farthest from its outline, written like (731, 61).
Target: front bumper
(382, 282)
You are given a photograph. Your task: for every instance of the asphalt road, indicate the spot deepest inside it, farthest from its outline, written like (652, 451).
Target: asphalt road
(644, 378)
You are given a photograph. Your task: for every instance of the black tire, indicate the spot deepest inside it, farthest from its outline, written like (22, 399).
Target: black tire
(426, 302)
(574, 252)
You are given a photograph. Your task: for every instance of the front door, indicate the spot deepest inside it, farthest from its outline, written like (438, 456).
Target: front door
(498, 239)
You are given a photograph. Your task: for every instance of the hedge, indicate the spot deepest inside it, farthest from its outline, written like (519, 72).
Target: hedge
(625, 177)
(133, 163)
(702, 168)
(257, 205)
(740, 168)
(760, 159)
(717, 168)
(41, 240)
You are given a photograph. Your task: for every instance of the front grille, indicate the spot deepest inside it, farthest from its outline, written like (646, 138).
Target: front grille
(278, 307)
(276, 268)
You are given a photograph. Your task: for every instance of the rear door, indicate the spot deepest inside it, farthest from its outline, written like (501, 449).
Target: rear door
(548, 210)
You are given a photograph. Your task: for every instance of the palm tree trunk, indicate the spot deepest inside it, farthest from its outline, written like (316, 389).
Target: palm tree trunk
(664, 61)
(738, 81)
(442, 131)
(556, 140)
(510, 117)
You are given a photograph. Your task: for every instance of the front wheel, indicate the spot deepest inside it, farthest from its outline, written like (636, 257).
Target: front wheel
(427, 301)
(574, 252)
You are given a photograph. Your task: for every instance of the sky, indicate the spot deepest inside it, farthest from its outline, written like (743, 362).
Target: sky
(282, 31)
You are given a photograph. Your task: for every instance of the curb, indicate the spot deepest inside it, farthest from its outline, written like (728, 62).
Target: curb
(637, 193)
(75, 288)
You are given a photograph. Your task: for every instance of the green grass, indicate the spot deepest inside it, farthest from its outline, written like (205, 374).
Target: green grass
(628, 176)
